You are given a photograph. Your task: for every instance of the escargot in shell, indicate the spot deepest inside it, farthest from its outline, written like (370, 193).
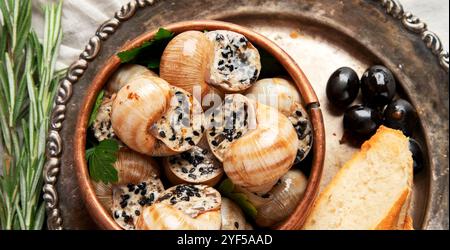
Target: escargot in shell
(197, 166)
(126, 74)
(156, 119)
(282, 199)
(232, 216)
(236, 63)
(281, 93)
(138, 186)
(256, 143)
(102, 126)
(184, 207)
(185, 61)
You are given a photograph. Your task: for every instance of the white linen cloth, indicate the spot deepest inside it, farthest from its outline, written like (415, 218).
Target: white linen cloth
(81, 18)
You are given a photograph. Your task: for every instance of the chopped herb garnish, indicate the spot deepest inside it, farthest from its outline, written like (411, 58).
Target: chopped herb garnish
(98, 103)
(101, 159)
(227, 189)
(149, 53)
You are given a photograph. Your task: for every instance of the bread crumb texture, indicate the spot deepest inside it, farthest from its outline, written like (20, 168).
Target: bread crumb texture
(370, 189)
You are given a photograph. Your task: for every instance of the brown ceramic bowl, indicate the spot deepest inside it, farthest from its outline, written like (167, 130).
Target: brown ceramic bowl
(103, 218)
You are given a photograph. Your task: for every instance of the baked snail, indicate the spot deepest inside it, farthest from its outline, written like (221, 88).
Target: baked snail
(102, 126)
(282, 94)
(222, 59)
(124, 75)
(232, 216)
(282, 199)
(183, 207)
(185, 61)
(236, 63)
(138, 186)
(156, 119)
(276, 205)
(197, 166)
(256, 143)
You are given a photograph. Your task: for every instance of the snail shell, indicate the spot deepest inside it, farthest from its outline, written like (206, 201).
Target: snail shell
(196, 166)
(165, 217)
(262, 152)
(232, 216)
(102, 126)
(276, 92)
(156, 119)
(126, 74)
(236, 63)
(280, 93)
(185, 61)
(135, 171)
(283, 200)
(184, 207)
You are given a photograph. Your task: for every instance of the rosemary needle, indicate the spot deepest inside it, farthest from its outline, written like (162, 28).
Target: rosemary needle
(28, 83)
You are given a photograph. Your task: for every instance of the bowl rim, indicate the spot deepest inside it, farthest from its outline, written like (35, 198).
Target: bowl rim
(100, 214)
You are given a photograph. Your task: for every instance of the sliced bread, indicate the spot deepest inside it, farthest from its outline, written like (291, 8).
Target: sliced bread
(370, 191)
(408, 223)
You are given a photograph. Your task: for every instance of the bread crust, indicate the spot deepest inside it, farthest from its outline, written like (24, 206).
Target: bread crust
(408, 223)
(390, 221)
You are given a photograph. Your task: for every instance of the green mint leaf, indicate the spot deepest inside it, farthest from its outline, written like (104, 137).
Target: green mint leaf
(101, 159)
(98, 103)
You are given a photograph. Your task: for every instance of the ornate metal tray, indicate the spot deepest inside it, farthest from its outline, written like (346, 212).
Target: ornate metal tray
(321, 35)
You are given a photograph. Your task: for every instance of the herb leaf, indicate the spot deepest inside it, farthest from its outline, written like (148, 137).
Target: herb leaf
(227, 187)
(101, 159)
(129, 55)
(98, 103)
(162, 34)
(149, 53)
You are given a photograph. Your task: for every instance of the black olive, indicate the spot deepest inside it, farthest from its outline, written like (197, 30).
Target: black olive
(417, 154)
(361, 120)
(400, 114)
(378, 86)
(343, 87)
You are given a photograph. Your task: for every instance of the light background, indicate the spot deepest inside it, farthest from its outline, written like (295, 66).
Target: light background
(82, 17)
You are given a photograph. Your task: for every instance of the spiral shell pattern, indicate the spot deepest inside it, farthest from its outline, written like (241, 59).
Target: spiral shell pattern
(136, 108)
(258, 159)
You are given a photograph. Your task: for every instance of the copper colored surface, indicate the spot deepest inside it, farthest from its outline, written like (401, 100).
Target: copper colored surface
(103, 217)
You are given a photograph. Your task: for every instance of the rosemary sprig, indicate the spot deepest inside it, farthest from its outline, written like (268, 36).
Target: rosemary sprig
(28, 83)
